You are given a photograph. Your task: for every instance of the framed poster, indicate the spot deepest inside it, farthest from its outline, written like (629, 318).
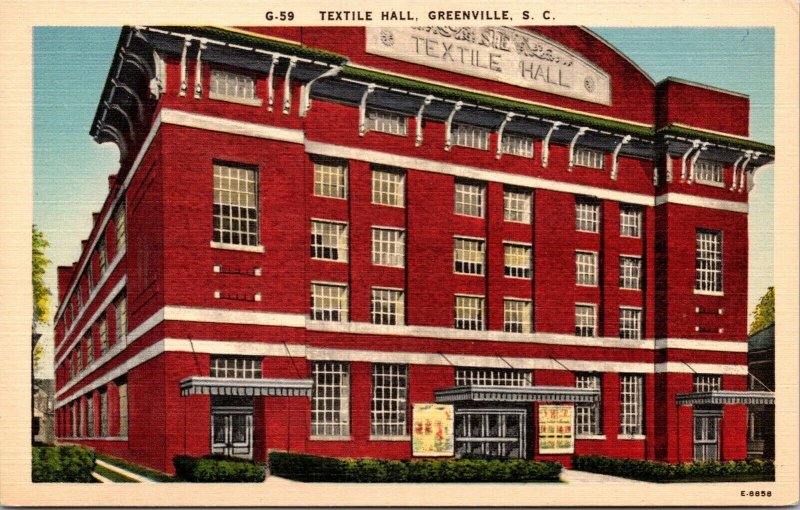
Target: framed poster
(432, 433)
(556, 429)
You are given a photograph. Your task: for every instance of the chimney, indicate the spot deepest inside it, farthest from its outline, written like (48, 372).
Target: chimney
(64, 274)
(95, 215)
(83, 245)
(111, 180)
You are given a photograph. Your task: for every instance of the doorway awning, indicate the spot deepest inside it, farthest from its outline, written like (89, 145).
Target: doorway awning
(199, 385)
(721, 397)
(517, 394)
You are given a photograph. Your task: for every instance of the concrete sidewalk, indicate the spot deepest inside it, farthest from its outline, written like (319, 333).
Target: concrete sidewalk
(584, 477)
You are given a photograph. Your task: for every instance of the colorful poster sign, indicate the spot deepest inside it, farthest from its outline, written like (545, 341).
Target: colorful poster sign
(432, 431)
(556, 429)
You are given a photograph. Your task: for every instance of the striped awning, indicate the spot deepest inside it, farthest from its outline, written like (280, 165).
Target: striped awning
(199, 385)
(721, 397)
(518, 394)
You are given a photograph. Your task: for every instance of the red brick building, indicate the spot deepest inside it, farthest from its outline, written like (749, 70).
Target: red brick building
(314, 230)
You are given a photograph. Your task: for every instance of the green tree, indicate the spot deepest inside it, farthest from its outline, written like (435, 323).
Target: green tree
(764, 313)
(41, 294)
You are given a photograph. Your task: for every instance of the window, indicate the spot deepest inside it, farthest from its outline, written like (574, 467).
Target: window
(589, 158)
(386, 122)
(630, 221)
(329, 240)
(387, 307)
(235, 205)
(630, 323)
(516, 316)
(469, 313)
(330, 179)
(388, 186)
(230, 85)
(517, 260)
(587, 416)
(586, 268)
(102, 253)
(389, 400)
(587, 216)
(119, 226)
(121, 307)
(517, 145)
(123, 408)
(585, 320)
(79, 357)
(469, 256)
(81, 432)
(708, 172)
(235, 367)
(329, 302)
(330, 399)
(631, 410)
(630, 272)
(388, 247)
(104, 413)
(90, 415)
(89, 341)
(707, 382)
(79, 297)
(469, 199)
(103, 335)
(89, 275)
(493, 377)
(517, 206)
(74, 416)
(708, 261)
(470, 136)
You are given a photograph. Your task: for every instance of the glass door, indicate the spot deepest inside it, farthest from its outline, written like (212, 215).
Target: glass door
(232, 426)
(490, 433)
(706, 437)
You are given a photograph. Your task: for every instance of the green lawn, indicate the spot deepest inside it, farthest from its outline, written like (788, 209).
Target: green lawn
(723, 479)
(156, 476)
(112, 475)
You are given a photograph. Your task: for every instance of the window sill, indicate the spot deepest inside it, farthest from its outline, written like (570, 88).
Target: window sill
(330, 438)
(237, 100)
(470, 216)
(403, 135)
(389, 205)
(237, 247)
(587, 231)
(328, 196)
(591, 437)
(708, 293)
(587, 285)
(629, 288)
(330, 260)
(630, 237)
(480, 275)
(390, 438)
(631, 437)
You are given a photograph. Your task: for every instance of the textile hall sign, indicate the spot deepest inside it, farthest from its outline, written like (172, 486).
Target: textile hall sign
(556, 429)
(504, 54)
(432, 433)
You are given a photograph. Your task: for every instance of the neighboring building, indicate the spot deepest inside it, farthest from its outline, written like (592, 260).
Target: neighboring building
(314, 232)
(761, 421)
(43, 427)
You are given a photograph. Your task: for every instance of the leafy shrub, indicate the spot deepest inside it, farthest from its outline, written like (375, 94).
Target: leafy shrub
(311, 468)
(666, 472)
(218, 468)
(62, 464)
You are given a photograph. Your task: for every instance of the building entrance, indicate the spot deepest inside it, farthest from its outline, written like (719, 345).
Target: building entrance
(706, 435)
(232, 426)
(490, 433)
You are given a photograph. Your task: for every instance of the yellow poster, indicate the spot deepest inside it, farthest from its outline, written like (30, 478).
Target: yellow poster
(556, 429)
(432, 434)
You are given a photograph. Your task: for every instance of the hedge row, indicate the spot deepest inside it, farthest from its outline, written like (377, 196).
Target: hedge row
(62, 464)
(218, 468)
(665, 472)
(310, 468)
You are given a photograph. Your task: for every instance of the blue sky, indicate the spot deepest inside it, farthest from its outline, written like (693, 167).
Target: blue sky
(70, 169)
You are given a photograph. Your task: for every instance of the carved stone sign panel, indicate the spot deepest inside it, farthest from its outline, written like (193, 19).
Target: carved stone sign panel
(504, 54)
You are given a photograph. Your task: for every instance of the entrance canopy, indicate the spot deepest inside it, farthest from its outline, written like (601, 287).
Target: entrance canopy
(517, 394)
(720, 397)
(199, 385)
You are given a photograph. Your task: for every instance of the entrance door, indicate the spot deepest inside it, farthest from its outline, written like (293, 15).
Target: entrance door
(706, 436)
(490, 433)
(232, 426)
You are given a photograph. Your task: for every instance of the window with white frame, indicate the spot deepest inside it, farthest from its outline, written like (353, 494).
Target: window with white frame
(587, 215)
(79, 357)
(79, 297)
(235, 367)
(630, 323)
(708, 261)
(586, 268)
(89, 276)
(81, 417)
(469, 255)
(74, 416)
(330, 178)
(120, 226)
(104, 413)
(386, 122)
(121, 313)
(492, 377)
(90, 415)
(122, 389)
(329, 240)
(89, 347)
(469, 313)
(235, 205)
(517, 262)
(329, 302)
(588, 416)
(469, 199)
(708, 172)
(516, 316)
(232, 85)
(388, 307)
(330, 399)
(589, 158)
(517, 205)
(389, 400)
(470, 136)
(102, 255)
(630, 273)
(517, 145)
(585, 320)
(103, 334)
(631, 405)
(388, 247)
(388, 186)
(707, 382)
(630, 221)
